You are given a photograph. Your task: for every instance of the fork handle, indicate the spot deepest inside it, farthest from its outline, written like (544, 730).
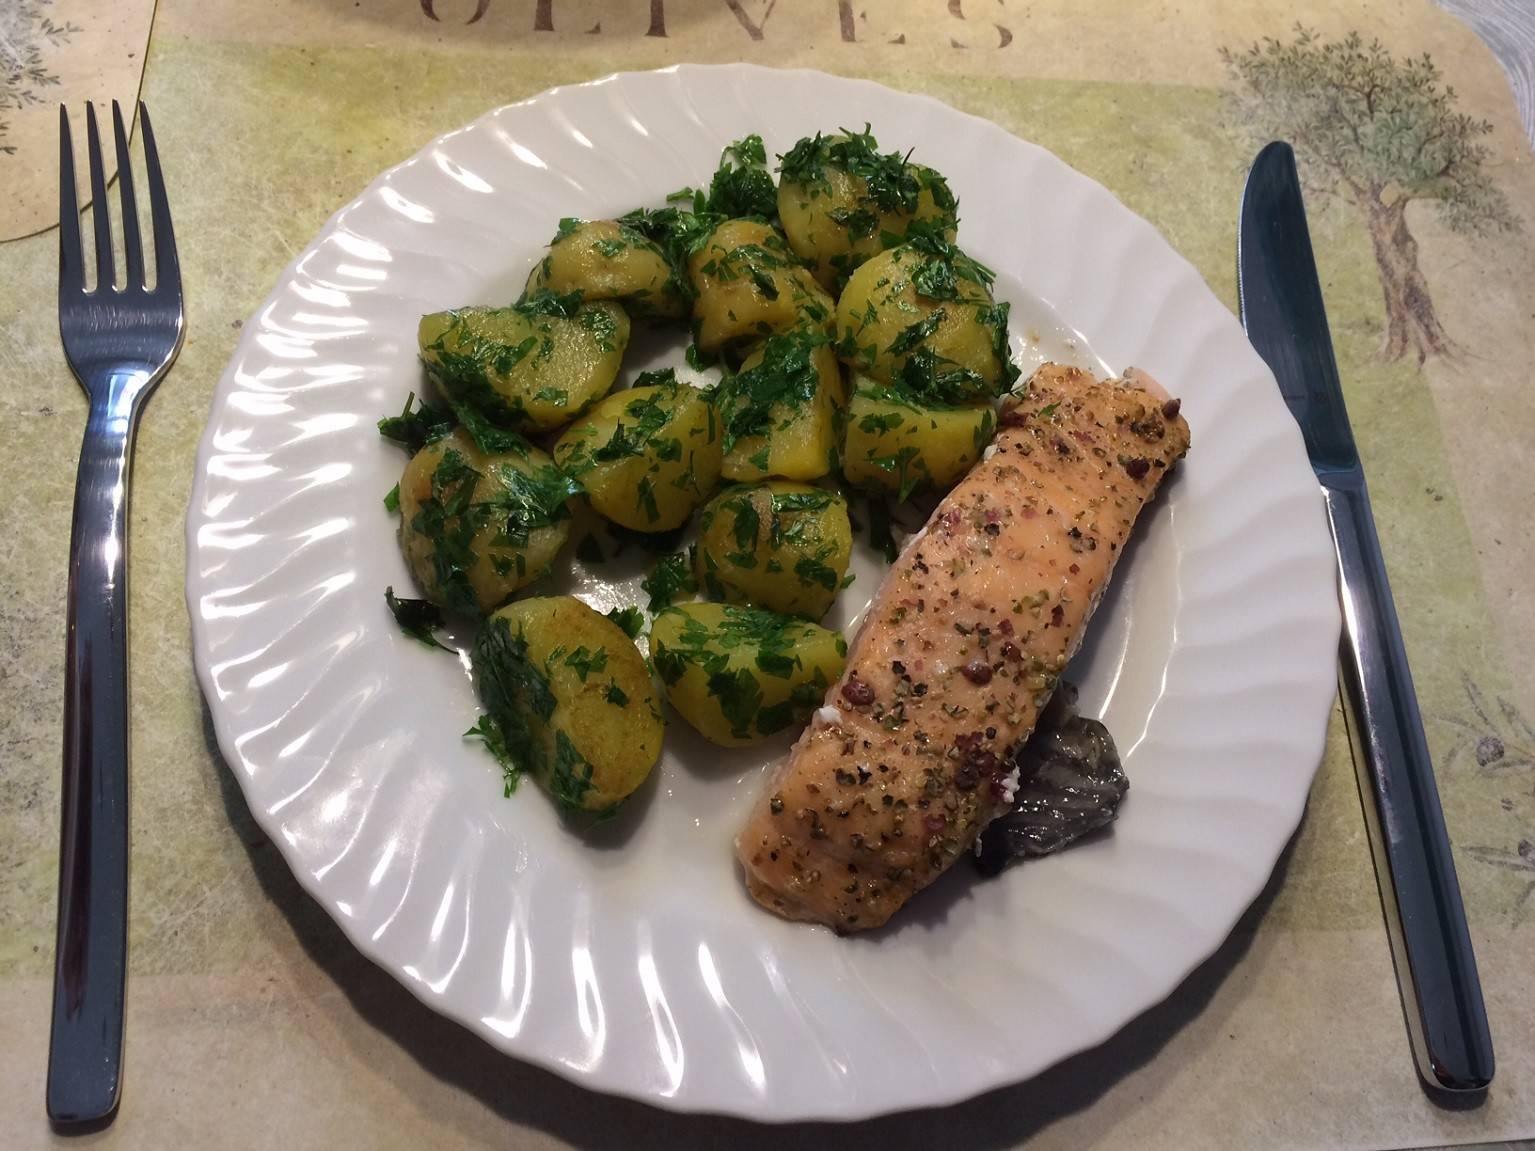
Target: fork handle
(90, 960)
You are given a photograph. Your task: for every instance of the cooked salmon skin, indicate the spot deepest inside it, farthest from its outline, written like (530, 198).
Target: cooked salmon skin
(961, 647)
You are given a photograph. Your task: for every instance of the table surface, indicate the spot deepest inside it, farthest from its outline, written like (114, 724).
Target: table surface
(253, 1021)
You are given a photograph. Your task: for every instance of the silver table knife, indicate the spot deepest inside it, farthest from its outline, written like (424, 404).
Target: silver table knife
(1281, 303)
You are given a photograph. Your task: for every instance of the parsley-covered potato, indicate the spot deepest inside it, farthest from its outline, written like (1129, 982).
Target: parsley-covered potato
(646, 456)
(842, 201)
(893, 443)
(534, 366)
(779, 545)
(476, 527)
(922, 316)
(781, 413)
(741, 674)
(749, 285)
(572, 699)
(608, 260)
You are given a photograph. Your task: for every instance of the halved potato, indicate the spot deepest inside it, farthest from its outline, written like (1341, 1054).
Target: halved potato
(922, 316)
(646, 456)
(476, 527)
(573, 699)
(892, 443)
(781, 412)
(532, 367)
(607, 260)
(779, 545)
(750, 285)
(740, 674)
(841, 202)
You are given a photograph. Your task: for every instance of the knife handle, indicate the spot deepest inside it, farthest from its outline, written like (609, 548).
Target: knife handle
(1431, 945)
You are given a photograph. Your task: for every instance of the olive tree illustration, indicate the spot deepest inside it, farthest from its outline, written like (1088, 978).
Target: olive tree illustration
(25, 33)
(1383, 134)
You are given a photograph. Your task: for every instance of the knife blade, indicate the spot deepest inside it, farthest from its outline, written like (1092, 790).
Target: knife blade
(1282, 310)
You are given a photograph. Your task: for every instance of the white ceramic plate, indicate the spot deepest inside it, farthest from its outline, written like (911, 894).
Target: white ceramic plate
(634, 962)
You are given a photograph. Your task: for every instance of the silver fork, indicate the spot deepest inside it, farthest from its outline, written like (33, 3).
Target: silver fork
(119, 342)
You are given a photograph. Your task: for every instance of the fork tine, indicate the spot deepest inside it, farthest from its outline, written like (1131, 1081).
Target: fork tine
(167, 268)
(71, 261)
(133, 248)
(106, 271)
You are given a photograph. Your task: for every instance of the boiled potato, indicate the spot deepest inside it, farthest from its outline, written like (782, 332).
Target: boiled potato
(779, 545)
(606, 260)
(922, 316)
(751, 285)
(740, 674)
(573, 699)
(647, 456)
(896, 444)
(781, 412)
(841, 202)
(534, 366)
(476, 527)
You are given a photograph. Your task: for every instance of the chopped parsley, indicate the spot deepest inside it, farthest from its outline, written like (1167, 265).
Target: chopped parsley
(880, 535)
(445, 518)
(418, 618)
(671, 579)
(584, 663)
(516, 693)
(655, 401)
(489, 731)
(451, 518)
(468, 355)
(935, 280)
(913, 334)
(746, 523)
(615, 694)
(891, 182)
(512, 686)
(647, 415)
(645, 499)
(739, 696)
(629, 619)
(930, 238)
(769, 641)
(812, 501)
(677, 234)
(529, 500)
(773, 391)
(995, 318)
(490, 439)
(416, 426)
(803, 699)
(392, 499)
(930, 378)
(570, 776)
(742, 186)
(880, 423)
(983, 431)
(811, 570)
(543, 302)
(900, 463)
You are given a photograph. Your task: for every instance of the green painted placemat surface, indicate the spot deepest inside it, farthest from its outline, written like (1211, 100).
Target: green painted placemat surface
(252, 1021)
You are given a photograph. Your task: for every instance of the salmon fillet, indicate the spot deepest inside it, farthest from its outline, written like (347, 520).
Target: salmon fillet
(960, 649)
